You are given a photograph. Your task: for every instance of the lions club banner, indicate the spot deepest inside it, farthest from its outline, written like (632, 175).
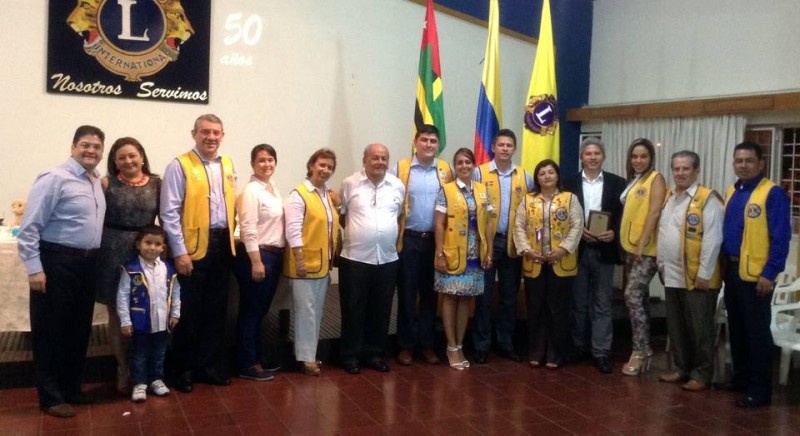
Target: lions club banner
(140, 49)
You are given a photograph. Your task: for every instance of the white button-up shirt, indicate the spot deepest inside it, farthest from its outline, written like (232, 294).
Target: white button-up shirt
(371, 214)
(670, 234)
(592, 194)
(260, 215)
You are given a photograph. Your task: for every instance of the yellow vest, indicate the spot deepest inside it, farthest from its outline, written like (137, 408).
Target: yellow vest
(196, 216)
(755, 240)
(316, 246)
(692, 240)
(457, 224)
(634, 216)
(519, 187)
(559, 229)
(444, 174)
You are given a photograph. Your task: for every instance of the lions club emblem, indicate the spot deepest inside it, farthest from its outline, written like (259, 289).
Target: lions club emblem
(753, 211)
(131, 38)
(693, 219)
(561, 214)
(640, 193)
(541, 114)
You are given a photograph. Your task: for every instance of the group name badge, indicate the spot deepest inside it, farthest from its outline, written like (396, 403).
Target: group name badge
(753, 211)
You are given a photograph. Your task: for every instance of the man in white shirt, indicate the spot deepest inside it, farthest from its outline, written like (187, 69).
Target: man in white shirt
(372, 202)
(689, 239)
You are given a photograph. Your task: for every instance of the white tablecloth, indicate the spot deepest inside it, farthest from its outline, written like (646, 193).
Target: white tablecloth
(14, 290)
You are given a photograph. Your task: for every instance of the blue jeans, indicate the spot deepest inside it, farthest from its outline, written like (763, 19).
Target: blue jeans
(255, 299)
(508, 271)
(147, 357)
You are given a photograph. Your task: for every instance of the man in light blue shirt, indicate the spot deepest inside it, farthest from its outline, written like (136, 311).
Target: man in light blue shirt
(507, 183)
(423, 175)
(58, 241)
(197, 197)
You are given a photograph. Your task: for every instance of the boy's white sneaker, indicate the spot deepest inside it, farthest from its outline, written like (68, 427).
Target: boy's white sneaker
(139, 393)
(159, 388)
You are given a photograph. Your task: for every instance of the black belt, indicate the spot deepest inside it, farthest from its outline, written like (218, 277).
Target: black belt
(216, 233)
(271, 248)
(421, 235)
(500, 235)
(63, 249)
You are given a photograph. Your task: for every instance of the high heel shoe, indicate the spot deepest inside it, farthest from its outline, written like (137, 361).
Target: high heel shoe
(464, 362)
(452, 357)
(639, 362)
(310, 368)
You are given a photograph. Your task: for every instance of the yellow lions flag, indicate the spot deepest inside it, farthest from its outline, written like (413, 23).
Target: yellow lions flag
(541, 130)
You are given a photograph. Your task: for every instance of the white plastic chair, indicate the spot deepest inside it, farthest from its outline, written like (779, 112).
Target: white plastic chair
(785, 324)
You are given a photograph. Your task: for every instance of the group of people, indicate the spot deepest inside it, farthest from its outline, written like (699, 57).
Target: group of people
(436, 233)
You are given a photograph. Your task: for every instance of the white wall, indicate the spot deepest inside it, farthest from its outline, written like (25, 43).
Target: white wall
(654, 50)
(340, 74)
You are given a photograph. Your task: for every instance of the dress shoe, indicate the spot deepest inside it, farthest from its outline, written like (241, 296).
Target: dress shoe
(62, 410)
(351, 368)
(310, 368)
(212, 378)
(750, 402)
(184, 382)
(694, 386)
(430, 357)
(405, 357)
(671, 377)
(510, 355)
(80, 398)
(603, 364)
(480, 357)
(379, 365)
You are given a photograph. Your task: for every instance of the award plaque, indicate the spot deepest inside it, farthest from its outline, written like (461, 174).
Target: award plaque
(599, 221)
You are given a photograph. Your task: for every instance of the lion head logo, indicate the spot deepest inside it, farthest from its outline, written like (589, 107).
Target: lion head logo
(83, 20)
(122, 56)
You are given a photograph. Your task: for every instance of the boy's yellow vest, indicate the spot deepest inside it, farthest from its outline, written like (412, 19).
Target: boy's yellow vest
(559, 229)
(443, 172)
(196, 216)
(519, 187)
(457, 225)
(316, 250)
(692, 240)
(634, 216)
(755, 240)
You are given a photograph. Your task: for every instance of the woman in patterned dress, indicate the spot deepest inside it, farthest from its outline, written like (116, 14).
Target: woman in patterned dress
(464, 227)
(132, 193)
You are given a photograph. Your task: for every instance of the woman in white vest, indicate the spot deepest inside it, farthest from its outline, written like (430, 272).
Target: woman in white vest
(642, 201)
(312, 230)
(547, 231)
(464, 230)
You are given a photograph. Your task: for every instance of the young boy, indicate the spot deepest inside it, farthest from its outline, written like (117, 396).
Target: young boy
(149, 306)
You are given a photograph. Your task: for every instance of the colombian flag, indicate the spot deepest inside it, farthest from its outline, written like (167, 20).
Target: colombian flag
(490, 114)
(541, 129)
(430, 102)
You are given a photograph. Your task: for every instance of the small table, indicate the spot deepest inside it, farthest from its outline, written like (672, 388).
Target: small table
(14, 292)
